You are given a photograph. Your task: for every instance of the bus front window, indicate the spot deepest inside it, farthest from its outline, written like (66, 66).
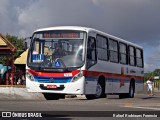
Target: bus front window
(57, 49)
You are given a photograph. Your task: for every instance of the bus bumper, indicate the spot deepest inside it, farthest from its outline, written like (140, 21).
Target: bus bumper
(76, 87)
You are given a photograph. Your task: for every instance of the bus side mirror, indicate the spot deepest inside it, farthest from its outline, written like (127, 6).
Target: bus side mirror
(25, 46)
(25, 43)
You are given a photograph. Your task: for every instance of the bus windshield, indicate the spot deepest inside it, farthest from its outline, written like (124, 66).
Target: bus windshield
(57, 49)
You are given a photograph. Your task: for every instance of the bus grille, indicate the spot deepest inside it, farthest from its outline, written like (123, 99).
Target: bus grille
(52, 80)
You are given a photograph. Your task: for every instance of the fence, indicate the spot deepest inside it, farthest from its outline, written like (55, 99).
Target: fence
(156, 85)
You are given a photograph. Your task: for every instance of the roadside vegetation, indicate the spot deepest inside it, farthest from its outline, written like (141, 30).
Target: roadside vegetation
(18, 43)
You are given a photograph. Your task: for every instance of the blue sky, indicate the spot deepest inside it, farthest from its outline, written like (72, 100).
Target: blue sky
(137, 21)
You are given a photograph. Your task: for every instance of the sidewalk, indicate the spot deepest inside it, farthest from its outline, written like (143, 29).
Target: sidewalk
(19, 93)
(15, 93)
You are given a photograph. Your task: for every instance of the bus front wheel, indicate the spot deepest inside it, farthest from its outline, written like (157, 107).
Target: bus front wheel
(100, 92)
(51, 96)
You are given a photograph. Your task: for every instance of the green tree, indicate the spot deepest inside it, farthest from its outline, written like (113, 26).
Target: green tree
(18, 43)
(157, 72)
(148, 74)
(2, 60)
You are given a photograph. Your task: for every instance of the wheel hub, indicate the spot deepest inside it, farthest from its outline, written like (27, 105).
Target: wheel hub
(98, 90)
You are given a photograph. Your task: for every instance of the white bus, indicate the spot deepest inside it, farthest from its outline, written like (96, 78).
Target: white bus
(83, 61)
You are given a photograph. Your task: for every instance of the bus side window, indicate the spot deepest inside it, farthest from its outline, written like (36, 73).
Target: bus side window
(102, 48)
(123, 55)
(113, 50)
(139, 57)
(132, 56)
(91, 52)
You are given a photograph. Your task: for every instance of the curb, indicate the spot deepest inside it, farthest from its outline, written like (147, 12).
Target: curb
(18, 93)
(21, 93)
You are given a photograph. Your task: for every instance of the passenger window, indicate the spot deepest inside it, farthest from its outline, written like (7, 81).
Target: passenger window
(123, 53)
(113, 50)
(132, 56)
(102, 48)
(139, 57)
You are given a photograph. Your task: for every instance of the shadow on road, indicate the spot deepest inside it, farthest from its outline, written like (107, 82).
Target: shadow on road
(146, 98)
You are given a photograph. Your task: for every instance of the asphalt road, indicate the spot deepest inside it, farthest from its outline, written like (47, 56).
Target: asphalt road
(141, 103)
(111, 103)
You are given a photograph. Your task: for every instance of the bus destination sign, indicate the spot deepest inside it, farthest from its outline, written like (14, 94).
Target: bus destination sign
(61, 35)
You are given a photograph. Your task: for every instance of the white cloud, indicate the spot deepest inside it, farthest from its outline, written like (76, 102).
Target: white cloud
(4, 15)
(132, 20)
(9, 12)
(149, 67)
(135, 21)
(52, 13)
(153, 59)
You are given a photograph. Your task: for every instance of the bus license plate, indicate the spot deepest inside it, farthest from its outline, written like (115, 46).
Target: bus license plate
(51, 86)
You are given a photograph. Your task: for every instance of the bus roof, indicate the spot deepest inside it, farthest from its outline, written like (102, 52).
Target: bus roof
(87, 30)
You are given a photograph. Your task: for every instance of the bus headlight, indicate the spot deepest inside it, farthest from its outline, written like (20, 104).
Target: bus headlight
(30, 76)
(77, 76)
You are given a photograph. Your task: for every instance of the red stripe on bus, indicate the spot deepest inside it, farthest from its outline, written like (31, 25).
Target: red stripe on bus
(87, 73)
(52, 74)
(111, 75)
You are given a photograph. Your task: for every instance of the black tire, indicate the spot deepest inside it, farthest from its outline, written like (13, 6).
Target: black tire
(131, 90)
(121, 95)
(51, 96)
(90, 97)
(61, 96)
(103, 95)
(130, 94)
(100, 90)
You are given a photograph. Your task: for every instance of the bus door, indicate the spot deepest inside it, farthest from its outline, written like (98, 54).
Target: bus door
(91, 80)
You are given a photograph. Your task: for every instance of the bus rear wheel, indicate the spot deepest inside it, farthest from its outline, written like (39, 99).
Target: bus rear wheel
(131, 90)
(122, 95)
(130, 94)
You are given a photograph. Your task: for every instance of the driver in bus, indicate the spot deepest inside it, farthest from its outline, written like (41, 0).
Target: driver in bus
(59, 51)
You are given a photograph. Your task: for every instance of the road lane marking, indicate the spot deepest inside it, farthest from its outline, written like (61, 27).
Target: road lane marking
(128, 105)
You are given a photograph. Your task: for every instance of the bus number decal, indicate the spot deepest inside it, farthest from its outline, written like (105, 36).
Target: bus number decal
(67, 74)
